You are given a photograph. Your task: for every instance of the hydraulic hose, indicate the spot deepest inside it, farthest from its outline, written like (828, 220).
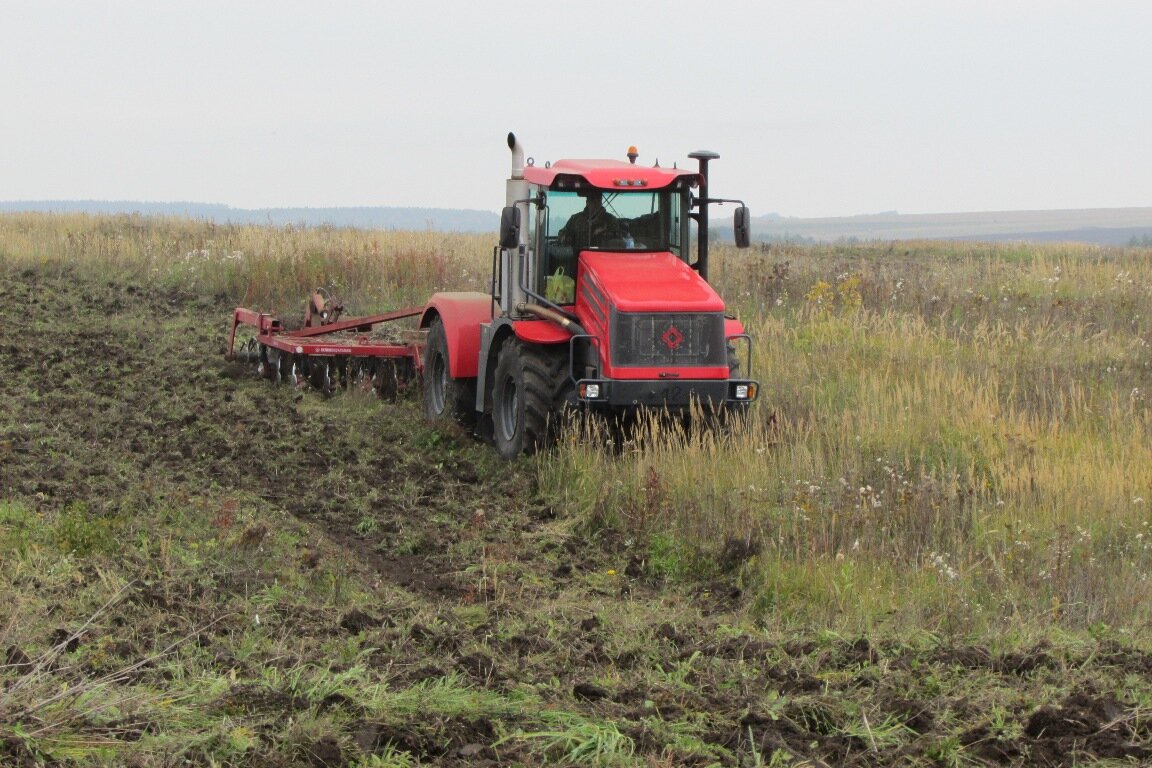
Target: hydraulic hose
(559, 318)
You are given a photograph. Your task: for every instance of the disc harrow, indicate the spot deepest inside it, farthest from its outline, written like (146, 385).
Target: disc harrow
(329, 353)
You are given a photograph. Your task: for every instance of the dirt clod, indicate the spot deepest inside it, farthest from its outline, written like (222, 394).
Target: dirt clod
(325, 752)
(590, 692)
(357, 621)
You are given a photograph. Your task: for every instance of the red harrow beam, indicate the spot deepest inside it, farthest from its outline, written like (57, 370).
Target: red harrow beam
(330, 354)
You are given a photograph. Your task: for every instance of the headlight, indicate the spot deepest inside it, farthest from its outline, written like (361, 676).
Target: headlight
(589, 390)
(746, 390)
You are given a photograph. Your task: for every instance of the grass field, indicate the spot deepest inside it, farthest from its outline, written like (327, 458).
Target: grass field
(952, 438)
(928, 546)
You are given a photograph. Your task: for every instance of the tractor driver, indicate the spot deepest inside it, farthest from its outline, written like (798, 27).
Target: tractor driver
(592, 227)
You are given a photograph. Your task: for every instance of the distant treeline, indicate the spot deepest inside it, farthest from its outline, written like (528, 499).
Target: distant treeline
(438, 219)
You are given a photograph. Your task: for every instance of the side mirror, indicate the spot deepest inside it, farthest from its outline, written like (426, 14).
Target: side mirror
(510, 227)
(742, 227)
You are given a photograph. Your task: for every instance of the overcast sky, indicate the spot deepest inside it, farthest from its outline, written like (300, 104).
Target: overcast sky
(816, 108)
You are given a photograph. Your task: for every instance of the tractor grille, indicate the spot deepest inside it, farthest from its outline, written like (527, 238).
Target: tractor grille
(682, 340)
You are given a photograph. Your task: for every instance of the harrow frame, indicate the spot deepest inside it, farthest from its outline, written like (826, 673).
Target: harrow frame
(334, 344)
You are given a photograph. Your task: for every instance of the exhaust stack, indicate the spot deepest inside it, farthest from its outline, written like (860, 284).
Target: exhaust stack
(517, 187)
(517, 156)
(513, 257)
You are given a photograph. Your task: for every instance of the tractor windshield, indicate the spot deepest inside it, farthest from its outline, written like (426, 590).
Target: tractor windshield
(616, 221)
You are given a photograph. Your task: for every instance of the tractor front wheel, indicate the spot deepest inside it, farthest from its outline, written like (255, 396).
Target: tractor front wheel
(528, 397)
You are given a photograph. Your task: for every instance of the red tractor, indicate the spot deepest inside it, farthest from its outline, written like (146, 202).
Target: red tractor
(597, 303)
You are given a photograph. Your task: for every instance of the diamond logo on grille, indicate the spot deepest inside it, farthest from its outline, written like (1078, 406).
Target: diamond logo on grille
(672, 337)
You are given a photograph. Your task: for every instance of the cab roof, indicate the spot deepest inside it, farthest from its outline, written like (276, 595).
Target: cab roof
(607, 174)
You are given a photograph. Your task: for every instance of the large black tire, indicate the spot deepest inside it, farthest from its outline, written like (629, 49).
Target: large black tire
(445, 397)
(531, 395)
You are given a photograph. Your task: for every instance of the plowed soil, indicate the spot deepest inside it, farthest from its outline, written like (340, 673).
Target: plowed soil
(117, 393)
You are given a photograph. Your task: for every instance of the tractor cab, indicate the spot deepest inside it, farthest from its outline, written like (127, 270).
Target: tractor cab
(569, 222)
(598, 205)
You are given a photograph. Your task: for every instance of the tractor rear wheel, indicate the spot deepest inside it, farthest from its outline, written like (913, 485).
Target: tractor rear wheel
(444, 396)
(530, 396)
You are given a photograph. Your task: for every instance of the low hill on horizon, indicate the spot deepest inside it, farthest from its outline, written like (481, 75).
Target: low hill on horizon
(1100, 226)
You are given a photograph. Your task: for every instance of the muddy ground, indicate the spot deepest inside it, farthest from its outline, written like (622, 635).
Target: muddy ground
(116, 395)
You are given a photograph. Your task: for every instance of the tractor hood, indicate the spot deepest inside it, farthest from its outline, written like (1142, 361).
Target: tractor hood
(648, 282)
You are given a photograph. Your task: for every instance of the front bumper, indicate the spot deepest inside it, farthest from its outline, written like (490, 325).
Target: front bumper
(672, 393)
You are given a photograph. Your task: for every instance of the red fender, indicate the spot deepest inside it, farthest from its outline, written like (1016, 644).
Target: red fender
(540, 332)
(733, 327)
(462, 312)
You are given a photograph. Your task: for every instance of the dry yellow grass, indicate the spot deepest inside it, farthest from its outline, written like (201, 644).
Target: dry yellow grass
(265, 267)
(948, 436)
